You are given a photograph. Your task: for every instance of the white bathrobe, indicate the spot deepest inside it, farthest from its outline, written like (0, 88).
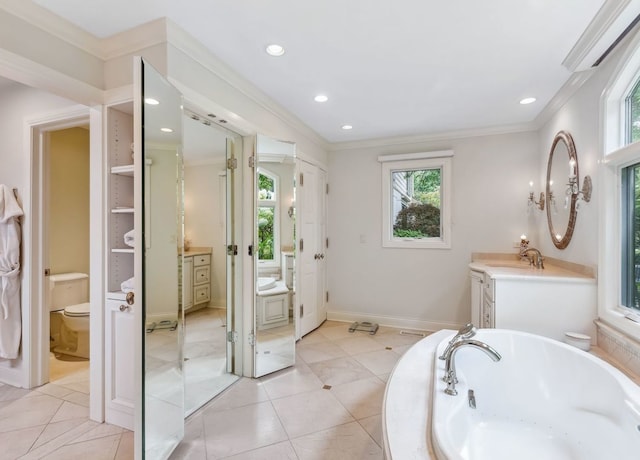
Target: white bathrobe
(10, 314)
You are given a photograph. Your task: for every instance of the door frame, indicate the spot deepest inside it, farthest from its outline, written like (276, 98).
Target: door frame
(36, 317)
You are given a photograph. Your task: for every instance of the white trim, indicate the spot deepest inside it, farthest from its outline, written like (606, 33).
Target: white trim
(415, 156)
(614, 157)
(391, 321)
(611, 20)
(440, 136)
(20, 69)
(55, 25)
(444, 163)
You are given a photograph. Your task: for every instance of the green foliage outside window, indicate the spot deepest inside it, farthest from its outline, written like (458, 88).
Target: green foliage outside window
(420, 217)
(266, 218)
(265, 233)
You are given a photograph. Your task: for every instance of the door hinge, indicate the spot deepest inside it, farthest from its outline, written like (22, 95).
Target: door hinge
(232, 336)
(301, 245)
(252, 161)
(47, 271)
(250, 250)
(301, 310)
(252, 339)
(327, 189)
(232, 250)
(232, 163)
(301, 179)
(327, 297)
(326, 243)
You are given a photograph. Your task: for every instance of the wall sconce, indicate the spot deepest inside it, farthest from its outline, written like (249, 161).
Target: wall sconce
(532, 200)
(573, 190)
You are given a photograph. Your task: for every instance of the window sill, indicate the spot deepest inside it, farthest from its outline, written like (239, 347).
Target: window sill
(618, 320)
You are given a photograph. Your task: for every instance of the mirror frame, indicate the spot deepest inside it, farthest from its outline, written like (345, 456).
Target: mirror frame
(566, 138)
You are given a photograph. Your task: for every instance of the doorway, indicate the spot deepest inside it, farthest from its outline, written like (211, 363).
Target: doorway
(66, 218)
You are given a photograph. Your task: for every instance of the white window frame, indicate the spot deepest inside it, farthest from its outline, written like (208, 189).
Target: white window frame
(275, 204)
(423, 160)
(616, 156)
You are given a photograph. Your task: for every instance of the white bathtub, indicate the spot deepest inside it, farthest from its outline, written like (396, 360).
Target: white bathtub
(543, 400)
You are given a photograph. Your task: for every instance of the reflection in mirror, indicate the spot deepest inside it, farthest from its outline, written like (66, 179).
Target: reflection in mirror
(163, 412)
(561, 203)
(275, 256)
(207, 312)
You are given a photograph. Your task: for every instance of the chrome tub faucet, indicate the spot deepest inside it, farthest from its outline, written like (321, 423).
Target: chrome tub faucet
(450, 365)
(466, 332)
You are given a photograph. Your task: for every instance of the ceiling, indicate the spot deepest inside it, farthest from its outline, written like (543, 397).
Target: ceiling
(389, 68)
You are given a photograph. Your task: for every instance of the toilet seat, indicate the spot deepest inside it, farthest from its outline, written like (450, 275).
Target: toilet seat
(79, 310)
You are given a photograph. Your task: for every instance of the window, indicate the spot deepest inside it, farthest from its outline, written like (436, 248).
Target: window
(619, 210)
(416, 200)
(632, 114)
(268, 218)
(630, 199)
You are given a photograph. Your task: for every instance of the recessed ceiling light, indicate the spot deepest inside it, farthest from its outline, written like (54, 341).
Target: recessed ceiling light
(151, 101)
(527, 100)
(275, 50)
(166, 130)
(321, 98)
(347, 127)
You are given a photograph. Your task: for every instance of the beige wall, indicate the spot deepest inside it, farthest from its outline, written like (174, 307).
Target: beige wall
(69, 201)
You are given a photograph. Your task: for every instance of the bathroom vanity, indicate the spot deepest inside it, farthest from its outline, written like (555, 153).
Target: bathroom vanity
(196, 277)
(508, 293)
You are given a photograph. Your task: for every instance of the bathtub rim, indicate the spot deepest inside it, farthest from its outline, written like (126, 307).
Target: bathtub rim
(407, 433)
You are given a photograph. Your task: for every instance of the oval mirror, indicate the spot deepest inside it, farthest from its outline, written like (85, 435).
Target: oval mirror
(561, 202)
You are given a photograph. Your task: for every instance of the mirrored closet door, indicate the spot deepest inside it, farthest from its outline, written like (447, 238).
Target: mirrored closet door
(274, 255)
(208, 294)
(160, 169)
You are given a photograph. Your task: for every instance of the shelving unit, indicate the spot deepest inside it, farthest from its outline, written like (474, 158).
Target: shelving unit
(120, 333)
(121, 218)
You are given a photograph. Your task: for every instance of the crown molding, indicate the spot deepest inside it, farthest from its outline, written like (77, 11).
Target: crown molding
(130, 41)
(30, 73)
(183, 41)
(432, 137)
(563, 95)
(611, 20)
(54, 24)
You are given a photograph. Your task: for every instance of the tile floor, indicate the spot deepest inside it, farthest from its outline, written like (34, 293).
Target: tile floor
(328, 406)
(52, 421)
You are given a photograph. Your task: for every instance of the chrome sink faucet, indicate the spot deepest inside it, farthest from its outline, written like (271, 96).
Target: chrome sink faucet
(534, 255)
(466, 332)
(450, 365)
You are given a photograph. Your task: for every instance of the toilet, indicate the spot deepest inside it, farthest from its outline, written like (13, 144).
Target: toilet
(69, 309)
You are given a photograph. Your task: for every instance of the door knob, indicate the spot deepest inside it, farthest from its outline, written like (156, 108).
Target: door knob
(316, 256)
(124, 307)
(321, 256)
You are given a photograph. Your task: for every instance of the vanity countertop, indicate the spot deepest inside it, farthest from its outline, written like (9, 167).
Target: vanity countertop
(511, 266)
(198, 251)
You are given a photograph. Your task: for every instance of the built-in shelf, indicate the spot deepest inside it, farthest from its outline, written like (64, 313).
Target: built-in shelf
(122, 210)
(123, 250)
(126, 170)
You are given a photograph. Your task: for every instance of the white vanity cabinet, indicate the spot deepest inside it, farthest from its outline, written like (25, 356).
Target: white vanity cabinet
(196, 277)
(119, 363)
(546, 302)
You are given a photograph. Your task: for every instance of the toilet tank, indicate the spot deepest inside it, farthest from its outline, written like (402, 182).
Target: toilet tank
(68, 289)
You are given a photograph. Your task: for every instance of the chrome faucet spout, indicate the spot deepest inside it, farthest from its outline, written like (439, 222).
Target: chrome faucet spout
(466, 332)
(450, 365)
(534, 255)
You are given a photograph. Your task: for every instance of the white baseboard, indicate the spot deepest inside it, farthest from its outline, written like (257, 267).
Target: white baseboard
(391, 321)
